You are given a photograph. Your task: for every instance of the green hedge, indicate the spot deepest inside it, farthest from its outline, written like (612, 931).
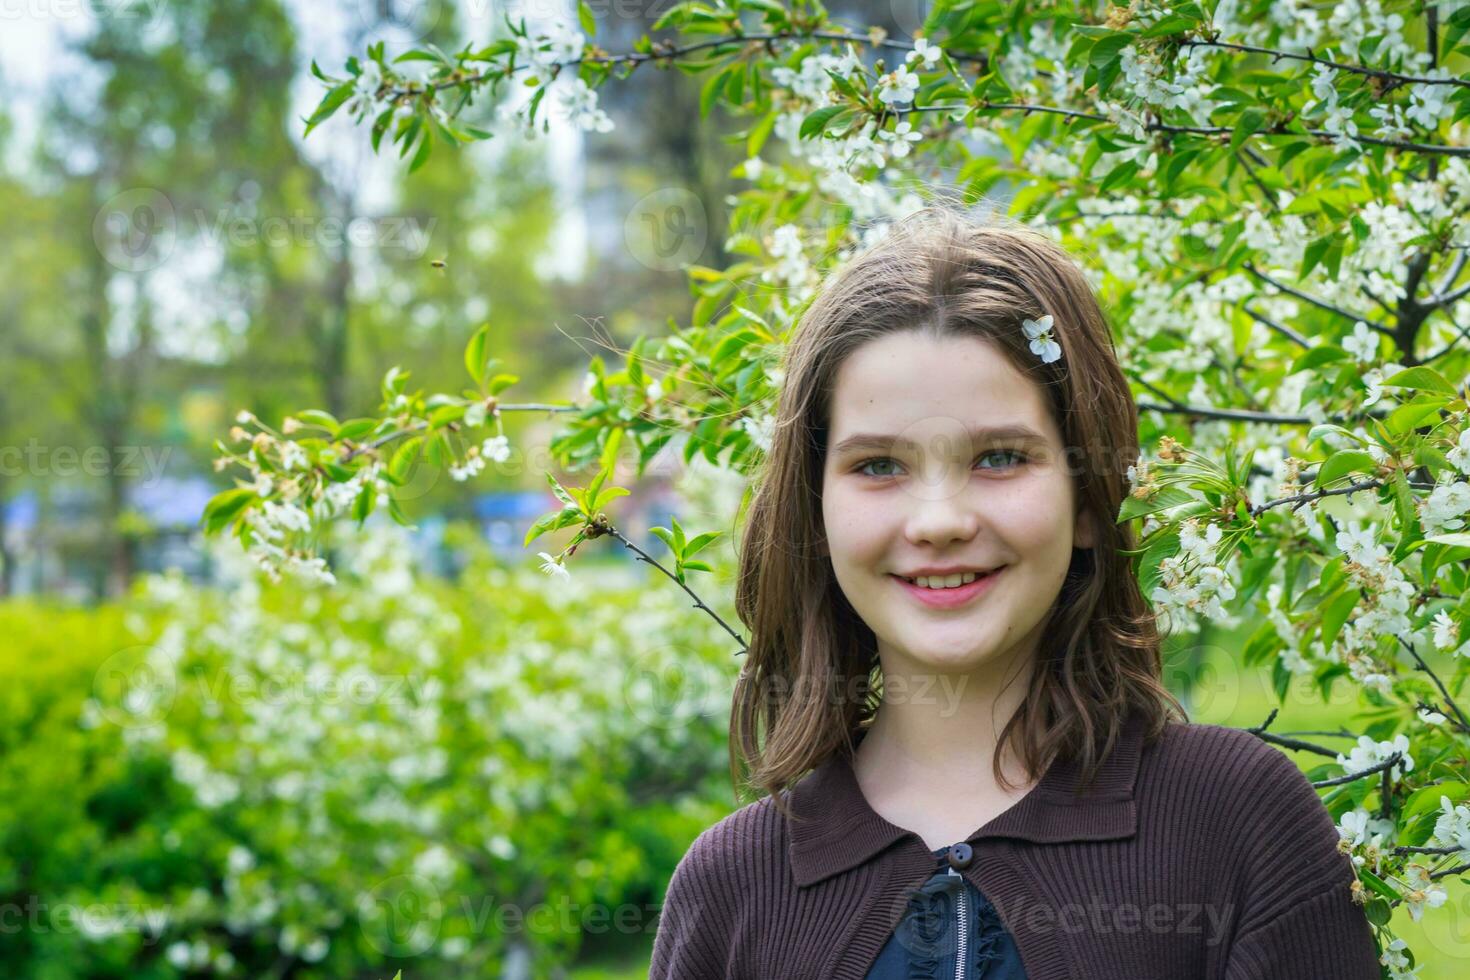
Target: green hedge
(393, 773)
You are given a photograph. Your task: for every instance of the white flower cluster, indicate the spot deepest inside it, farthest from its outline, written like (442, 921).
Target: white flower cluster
(1187, 90)
(1452, 829)
(496, 449)
(541, 55)
(810, 87)
(791, 267)
(1421, 891)
(1441, 510)
(1364, 833)
(1192, 581)
(272, 522)
(1368, 753)
(1354, 21)
(1338, 118)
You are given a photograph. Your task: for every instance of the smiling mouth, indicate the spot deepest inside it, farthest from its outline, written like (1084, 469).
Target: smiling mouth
(940, 583)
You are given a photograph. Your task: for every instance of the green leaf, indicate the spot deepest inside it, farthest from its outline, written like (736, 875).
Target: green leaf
(817, 121)
(474, 354)
(1246, 126)
(1422, 808)
(1119, 176)
(1413, 414)
(425, 148)
(366, 501)
(223, 507)
(560, 491)
(318, 418)
(1164, 498)
(1460, 539)
(553, 522)
(356, 428)
(1377, 884)
(1316, 357)
(584, 14)
(759, 132)
(712, 88)
(1335, 614)
(1421, 379)
(1343, 462)
(330, 103)
(403, 458)
(1313, 254)
(1108, 49)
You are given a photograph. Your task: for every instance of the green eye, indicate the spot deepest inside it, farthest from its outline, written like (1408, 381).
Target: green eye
(866, 463)
(1018, 457)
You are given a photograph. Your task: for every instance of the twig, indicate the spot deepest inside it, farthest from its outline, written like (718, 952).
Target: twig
(1319, 303)
(1286, 742)
(603, 527)
(1383, 766)
(1280, 328)
(1463, 723)
(1394, 77)
(1298, 499)
(1436, 875)
(1451, 345)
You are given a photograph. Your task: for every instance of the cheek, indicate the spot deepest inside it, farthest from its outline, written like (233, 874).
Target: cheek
(854, 524)
(1034, 515)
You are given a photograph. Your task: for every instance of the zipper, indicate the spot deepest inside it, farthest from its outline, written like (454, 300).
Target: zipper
(963, 931)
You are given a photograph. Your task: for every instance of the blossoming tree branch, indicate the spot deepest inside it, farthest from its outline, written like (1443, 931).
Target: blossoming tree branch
(1271, 198)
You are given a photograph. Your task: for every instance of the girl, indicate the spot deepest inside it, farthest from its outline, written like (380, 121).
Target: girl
(934, 578)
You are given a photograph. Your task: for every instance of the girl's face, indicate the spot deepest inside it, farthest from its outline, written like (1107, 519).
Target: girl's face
(942, 455)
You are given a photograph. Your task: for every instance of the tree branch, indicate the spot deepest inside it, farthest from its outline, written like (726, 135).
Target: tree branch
(1319, 303)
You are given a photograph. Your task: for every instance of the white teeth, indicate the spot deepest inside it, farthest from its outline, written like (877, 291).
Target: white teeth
(943, 581)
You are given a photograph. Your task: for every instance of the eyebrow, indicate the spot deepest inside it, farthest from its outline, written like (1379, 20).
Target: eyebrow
(882, 443)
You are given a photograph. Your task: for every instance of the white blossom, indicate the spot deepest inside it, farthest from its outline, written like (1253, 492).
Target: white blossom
(1452, 828)
(1369, 753)
(496, 449)
(579, 102)
(1441, 510)
(1422, 891)
(1459, 455)
(1362, 343)
(898, 86)
(1446, 630)
(923, 51)
(554, 567)
(1042, 344)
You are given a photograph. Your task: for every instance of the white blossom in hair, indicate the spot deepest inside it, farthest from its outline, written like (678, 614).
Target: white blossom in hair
(1042, 344)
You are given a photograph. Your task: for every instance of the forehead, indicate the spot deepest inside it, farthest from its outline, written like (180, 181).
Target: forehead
(915, 385)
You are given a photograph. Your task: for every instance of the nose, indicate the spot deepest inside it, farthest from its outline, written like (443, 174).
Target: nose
(942, 519)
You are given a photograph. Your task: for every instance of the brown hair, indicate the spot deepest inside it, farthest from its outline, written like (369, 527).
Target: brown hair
(808, 679)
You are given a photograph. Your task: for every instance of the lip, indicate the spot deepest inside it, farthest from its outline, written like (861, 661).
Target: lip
(950, 598)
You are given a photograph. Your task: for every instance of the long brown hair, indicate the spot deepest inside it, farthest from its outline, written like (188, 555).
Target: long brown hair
(808, 681)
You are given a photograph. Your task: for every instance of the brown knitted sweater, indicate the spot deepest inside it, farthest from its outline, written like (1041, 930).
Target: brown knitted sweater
(1205, 853)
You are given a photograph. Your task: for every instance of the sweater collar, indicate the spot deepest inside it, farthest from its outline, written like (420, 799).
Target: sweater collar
(838, 830)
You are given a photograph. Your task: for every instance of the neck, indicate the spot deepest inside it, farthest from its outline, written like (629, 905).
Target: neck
(945, 726)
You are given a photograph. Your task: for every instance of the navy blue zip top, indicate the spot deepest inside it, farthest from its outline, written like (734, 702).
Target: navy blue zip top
(949, 931)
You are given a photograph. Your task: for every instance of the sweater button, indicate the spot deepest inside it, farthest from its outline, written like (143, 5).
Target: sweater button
(960, 856)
